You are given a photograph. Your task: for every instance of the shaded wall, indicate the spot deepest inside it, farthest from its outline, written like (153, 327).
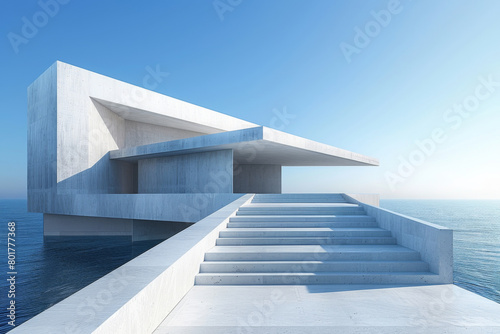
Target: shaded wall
(207, 172)
(258, 179)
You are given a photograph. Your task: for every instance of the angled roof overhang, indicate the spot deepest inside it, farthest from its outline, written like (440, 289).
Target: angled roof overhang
(257, 145)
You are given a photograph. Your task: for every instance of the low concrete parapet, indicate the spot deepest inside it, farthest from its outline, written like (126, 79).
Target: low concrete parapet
(434, 242)
(136, 297)
(371, 199)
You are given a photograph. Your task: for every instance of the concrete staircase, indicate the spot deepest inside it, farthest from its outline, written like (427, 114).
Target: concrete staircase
(308, 239)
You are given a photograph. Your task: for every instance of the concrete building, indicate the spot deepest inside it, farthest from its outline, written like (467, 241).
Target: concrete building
(109, 158)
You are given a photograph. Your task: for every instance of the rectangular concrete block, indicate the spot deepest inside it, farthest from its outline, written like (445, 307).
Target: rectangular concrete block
(64, 225)
(207, 172)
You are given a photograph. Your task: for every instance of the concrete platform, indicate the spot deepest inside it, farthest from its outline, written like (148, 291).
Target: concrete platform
(332, 309)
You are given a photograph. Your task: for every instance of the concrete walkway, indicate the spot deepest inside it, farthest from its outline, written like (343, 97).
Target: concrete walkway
(332, 309)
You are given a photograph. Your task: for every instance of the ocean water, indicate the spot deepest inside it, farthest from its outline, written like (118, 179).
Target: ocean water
(52, 269)
(476, 238)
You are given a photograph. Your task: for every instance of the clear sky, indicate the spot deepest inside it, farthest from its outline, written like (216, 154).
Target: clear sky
(415, 84)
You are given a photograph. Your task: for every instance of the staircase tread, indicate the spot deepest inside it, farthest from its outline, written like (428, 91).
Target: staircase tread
(312, 262)
(321, 242)
(308, 237)
(305, 229)
(298, 205)
(309, 248)
(301, 216)
(324, 273)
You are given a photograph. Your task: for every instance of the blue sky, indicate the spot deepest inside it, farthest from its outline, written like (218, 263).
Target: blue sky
(415, 84)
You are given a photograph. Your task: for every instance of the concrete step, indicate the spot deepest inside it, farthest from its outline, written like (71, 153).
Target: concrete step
(312, 253)
(300, 211)
(307, 241)
(316, 278)
(303, 218)
(299, 205)
(298, 198)
(300, 224)
(312, 266)
(303, 232)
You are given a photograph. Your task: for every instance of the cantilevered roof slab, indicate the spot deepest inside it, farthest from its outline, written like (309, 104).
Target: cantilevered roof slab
(258, 145)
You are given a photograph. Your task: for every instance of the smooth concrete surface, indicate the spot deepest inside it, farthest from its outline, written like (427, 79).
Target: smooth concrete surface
(42, 154)
(75, 117)
(371, 199)
(257, 179)
(299, 198)
(66, 225)
(433, 242)
(360, 309)
(303, 254)
(87, 133)
(139, 133)
(188, 208)
(138, 230)
(136, 297)
(259, 145)
(206, 172)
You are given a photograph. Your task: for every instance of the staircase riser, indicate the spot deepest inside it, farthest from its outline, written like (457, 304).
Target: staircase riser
(299, 212)
(298, 199)
(304, 267)
(301, 219)
(230, 233)
(294, 207)
(357, 256)
(301, 224)
(300, 241)
(315, 279)
(299, 206)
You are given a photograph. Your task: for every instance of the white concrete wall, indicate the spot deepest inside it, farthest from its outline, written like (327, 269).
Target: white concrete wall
(433, 242)
(164, 207)
(136, 297)
(70, 132)
(371, 199)
(258, 179)
(207, 172)
(42, 140)
(138, 133)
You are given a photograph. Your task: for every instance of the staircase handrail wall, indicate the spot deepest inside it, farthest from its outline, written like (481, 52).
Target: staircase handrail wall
(433, 242)
(136, 297)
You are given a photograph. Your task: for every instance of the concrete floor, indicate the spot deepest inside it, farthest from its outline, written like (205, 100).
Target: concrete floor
(332, 309)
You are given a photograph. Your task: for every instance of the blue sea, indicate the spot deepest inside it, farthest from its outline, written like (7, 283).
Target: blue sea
(476, 238)
(49, 270)
(52, 269)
